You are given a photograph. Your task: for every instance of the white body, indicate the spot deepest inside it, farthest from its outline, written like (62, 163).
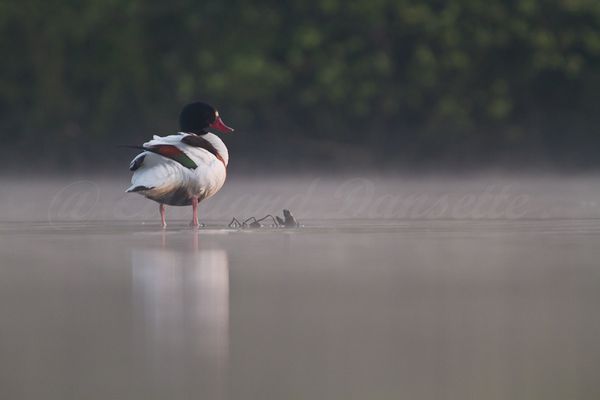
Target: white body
(169, 182)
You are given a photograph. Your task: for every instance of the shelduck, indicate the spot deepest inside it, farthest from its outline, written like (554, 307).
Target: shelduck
(185, 168)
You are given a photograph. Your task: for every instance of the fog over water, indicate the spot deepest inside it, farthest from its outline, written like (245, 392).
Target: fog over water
(420, 287)
(313, 197)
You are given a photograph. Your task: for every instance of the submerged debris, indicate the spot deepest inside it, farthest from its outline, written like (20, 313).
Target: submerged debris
(288, 221)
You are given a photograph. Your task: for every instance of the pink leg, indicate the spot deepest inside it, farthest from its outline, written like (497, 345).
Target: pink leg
(163, 219)
(195, 211)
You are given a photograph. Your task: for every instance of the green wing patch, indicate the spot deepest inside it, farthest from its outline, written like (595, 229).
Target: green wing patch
(175, 154)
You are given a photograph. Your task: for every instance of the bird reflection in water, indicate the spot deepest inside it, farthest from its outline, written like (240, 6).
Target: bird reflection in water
(181, 315)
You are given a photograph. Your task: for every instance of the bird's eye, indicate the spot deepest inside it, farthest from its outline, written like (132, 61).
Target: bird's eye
(216, 113)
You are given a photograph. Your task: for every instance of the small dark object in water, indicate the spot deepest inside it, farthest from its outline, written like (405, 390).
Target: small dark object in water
(235, 223)
(255, 224)
(288, 221)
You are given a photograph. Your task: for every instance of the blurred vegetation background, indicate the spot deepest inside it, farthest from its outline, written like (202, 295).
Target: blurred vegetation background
(325, 82)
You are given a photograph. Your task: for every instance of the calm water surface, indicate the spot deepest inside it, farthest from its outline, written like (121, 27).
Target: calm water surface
(348, 308)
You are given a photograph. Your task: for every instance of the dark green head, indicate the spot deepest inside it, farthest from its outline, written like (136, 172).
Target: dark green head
(199, 117)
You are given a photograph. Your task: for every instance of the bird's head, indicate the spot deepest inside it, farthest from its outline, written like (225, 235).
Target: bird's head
(199, 117)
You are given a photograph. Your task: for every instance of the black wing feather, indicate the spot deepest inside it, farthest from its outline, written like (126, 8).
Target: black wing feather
(137, 162)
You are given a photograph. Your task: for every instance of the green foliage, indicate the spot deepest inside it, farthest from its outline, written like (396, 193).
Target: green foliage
(419, 76)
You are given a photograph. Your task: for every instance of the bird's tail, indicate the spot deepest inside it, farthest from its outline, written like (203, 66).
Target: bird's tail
(137, 188)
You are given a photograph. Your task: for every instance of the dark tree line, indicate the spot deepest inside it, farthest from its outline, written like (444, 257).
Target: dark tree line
(401, 80)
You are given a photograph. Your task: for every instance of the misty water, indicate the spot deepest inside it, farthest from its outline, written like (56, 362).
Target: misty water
(429, 287)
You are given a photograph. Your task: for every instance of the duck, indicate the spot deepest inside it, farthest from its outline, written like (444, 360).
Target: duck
(186, 168)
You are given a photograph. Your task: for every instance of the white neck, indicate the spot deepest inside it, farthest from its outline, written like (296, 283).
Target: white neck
(218, 145)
